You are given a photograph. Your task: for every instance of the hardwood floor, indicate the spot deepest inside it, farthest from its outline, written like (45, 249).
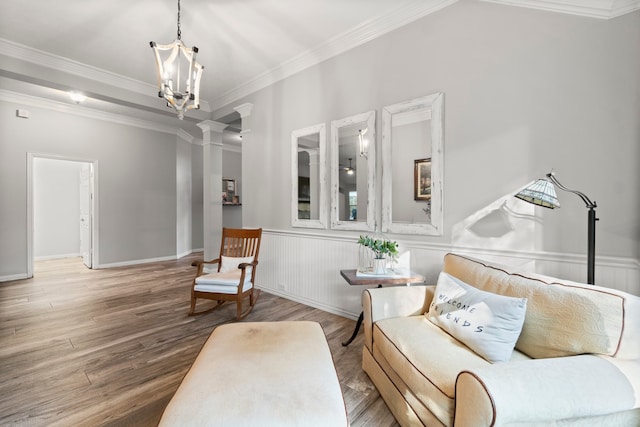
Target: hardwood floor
(109, 347)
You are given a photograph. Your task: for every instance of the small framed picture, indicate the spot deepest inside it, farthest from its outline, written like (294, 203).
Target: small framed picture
(422, 179)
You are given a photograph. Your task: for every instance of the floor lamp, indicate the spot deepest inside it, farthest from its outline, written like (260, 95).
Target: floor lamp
(543, 193)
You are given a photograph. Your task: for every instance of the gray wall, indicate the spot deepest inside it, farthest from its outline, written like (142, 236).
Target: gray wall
(232, 169)
(56, 208)
(136, 183)
(526, 92)
(184, 219)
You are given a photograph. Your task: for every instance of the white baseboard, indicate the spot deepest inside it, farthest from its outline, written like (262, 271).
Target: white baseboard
(311, 303)
(59, 256)
(135, 262)
(12, 277)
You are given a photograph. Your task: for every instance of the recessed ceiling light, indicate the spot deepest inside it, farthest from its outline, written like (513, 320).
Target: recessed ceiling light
(77, 97)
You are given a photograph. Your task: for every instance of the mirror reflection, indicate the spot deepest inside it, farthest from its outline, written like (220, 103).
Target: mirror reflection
(308, 177)
(353, 172)
(412, 166)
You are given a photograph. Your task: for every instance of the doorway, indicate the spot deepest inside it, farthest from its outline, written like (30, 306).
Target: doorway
(61, 215)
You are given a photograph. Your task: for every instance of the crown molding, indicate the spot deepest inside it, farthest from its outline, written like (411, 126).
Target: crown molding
(602, 9)
(367, 31)
(357, 36)
(34, 101)
(69, 66)
(234, 148)
(186, 136)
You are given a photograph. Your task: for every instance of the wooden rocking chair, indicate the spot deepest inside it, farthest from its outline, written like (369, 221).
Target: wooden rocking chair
(234, 278)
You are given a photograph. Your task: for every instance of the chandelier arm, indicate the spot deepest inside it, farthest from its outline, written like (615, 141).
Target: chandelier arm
(580, 194)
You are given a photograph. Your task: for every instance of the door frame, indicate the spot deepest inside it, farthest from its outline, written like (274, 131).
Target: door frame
(93, 183)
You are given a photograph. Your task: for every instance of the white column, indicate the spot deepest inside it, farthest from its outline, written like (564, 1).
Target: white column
(245, 114)
(212, 186)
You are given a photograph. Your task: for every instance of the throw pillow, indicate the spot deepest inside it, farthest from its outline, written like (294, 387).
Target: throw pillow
(228, 263)
(487, 323)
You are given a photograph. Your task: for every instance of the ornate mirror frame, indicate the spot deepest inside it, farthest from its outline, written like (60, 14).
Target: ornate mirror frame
(365, 154)
(427, 106)
(317, 166)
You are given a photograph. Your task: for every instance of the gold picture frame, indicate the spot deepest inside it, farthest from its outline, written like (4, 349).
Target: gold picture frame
(422, 179)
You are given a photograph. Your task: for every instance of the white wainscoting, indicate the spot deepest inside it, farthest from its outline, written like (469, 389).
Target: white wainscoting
(305, 267)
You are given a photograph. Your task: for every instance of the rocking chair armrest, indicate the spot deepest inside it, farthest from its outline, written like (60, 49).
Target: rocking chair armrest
(200, 264)
(199, 261)
(244, 265)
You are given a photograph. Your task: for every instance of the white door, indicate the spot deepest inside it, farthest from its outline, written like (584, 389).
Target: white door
(86, 196)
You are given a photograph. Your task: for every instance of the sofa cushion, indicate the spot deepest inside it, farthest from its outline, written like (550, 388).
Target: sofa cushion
(563, 318)
(487, 323)
(426, 359)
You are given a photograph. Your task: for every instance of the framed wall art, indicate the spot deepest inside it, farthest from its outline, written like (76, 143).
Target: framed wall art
(422, 179)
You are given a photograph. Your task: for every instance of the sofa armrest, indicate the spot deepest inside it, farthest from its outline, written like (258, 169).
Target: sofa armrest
(397, 301)
(543, 390)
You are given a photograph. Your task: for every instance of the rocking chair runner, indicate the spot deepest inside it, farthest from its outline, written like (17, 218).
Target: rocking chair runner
(235, 276)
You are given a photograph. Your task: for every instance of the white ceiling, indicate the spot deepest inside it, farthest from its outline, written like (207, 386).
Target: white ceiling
(244, 44)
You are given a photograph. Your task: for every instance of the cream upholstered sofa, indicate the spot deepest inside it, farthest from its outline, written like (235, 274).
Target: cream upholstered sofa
(576, 361)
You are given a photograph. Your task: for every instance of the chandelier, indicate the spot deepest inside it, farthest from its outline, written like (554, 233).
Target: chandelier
(178, 74)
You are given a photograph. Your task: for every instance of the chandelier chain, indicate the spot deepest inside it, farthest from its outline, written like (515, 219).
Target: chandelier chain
(179, 32)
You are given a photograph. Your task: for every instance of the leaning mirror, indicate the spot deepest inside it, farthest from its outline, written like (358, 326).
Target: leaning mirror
(353, 170)
(412, 165)
(308, 189)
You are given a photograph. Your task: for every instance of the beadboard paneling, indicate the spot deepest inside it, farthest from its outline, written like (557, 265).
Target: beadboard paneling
(305, 267)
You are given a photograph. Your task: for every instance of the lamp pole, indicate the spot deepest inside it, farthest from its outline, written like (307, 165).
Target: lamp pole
(591, 242)
(591, 230)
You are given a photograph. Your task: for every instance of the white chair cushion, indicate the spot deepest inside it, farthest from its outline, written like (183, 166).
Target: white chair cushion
(226, 283)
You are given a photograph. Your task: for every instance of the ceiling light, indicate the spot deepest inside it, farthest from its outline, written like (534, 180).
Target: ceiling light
(77, 97)
(349, 170)
(178, 74)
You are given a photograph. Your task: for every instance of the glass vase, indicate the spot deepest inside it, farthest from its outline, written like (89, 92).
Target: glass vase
(365, 260)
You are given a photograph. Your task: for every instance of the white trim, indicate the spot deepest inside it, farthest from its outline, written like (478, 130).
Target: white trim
(31, 156)
(350, 39)
(601, 260)
(367, 31)
(34, 101)
(369, 118)
(13, 277)
(310, 302)
(59, 256)
(185, 136)
(433, 103)
(323, 288)
(184, 254)
(602, 9)
(232, 147)
(136, 262)
(66, 65)
(321, 222)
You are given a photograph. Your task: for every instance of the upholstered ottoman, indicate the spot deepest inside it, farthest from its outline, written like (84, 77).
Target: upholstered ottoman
(260, 374)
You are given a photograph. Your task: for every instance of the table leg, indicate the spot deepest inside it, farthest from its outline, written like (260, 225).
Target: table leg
(355, 332)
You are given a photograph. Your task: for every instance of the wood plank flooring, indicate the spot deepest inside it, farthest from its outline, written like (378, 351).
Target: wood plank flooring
(83, 347)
